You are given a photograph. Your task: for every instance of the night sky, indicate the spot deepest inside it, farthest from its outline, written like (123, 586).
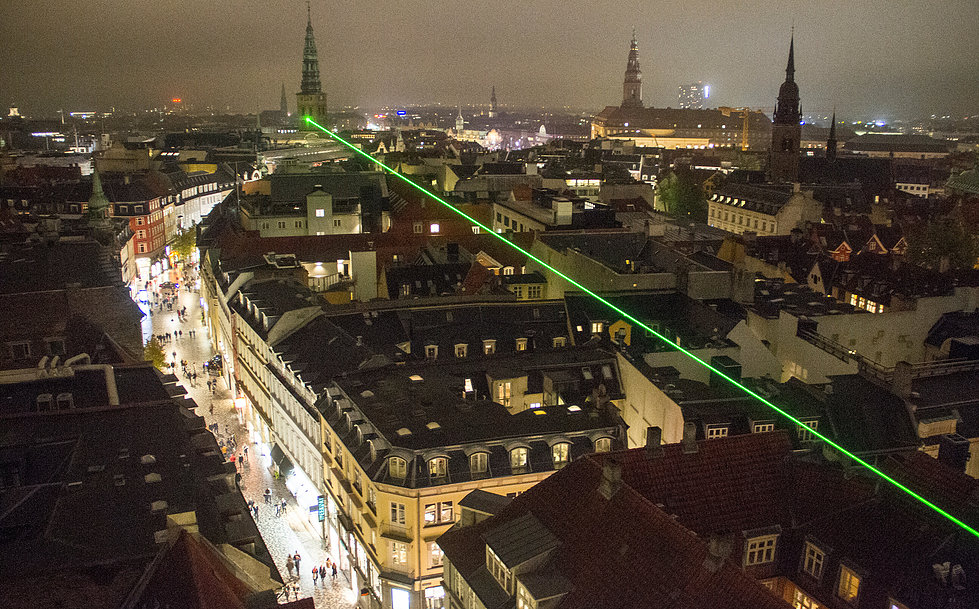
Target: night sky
(870, 58)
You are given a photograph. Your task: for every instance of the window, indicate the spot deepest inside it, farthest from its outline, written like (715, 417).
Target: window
(760, 550)
(399, 553)
(535, 291)
(499, 217)
(518, 291)
(141, 247)
(397, 513)
(435, 554)
(508, 270)
(431, 352)
(461, 349)
(418, 228)
(849, 586)
(762, 427)
(479, 463)
(475, 230)
(560, 454)
(518, 460)
(438, 467)
(397, 467)
(139, 221)
(56, 347)
(524, 599)
(438, 513)
(603, 445)
(806, 429)
(20, 350)
(812, 561)
(337, 223)
(497, 569)
(434, 228)
(716, 431)
(320, 212)
(596, 327)
(504, 390)
(489, 347)
(559, 341)
(141, 234)
(801, 600)
(521, 344)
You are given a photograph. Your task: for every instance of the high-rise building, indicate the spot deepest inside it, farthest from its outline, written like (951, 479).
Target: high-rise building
(311, 101)
(632, 86)
(783, 165)
(694, 95)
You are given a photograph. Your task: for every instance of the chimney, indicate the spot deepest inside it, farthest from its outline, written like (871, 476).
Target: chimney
(654, 441)
(611, 478)
(719, 547)
(689, 441)
(901, 379)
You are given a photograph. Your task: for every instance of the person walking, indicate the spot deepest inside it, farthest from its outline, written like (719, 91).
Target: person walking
(334, 571)
(316, 574)
(323, 573)
(284, 505)
(246, 452)
(296, 559)
(278, 509)
(268, 496)
(290, 565)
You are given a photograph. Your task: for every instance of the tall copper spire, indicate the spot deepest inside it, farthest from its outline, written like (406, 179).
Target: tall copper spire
(632, 86)
(831, 142)
(311, 65)
(786, 126)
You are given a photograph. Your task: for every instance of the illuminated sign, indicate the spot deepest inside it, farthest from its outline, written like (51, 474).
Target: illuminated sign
(321, 508)
(706, 91)
(45, 134)
(401, 113)
(176, 100)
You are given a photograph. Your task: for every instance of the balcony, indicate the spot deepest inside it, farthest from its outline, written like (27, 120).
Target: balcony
(401, 571)
(396, 531)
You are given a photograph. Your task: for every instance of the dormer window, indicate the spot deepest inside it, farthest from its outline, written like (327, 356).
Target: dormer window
(461, 349)
(525, 599)
(489, 347)
(806, 430)
(479, 463)
(596, 327)
(760, 550)
(603, 445)
(518, 460)
(398, 468)
(498, 570)
(521, 344)
(716, 431)
(431, 351)
(558, 342)
(438, 467)
(561, 454)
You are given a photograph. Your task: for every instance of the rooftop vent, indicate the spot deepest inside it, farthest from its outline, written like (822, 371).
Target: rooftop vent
(367, 393)
(123, 453)
(119, 480)
(404, 431)
(432, 425)
(147, 459)
(416, 378)
(74, 486)
(152, 478)
(95, 468)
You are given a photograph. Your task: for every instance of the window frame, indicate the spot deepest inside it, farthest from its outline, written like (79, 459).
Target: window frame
(817, 565)
(525, 466)
(562, 451)
(599, 442)
(848, 576)
(474, 462)
(760, 550)
(402, 467)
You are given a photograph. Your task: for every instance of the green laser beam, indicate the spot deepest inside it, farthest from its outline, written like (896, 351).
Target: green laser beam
(829, 442)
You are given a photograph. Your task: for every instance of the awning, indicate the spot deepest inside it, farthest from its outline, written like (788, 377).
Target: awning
(281, 460)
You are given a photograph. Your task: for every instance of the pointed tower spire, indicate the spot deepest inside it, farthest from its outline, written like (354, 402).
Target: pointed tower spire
(632, 86)
(786, 126)
(284, 103)
(790, 66)
(831, 142)
(311, 101)
(98, 203)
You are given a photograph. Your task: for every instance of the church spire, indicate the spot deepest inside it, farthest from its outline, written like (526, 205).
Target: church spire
(284, 103)
(831, 142)
(786, 126)
(311, 64)
(632, 86)
(790, 67)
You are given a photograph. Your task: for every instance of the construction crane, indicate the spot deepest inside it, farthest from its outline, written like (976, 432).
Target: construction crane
(726, 111)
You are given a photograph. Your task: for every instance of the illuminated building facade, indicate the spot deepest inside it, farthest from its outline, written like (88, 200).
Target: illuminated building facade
(693, 95)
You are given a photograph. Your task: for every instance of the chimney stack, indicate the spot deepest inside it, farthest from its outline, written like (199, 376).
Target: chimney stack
(611, 478)
(689, 441)
(654, 441)
(718, 549)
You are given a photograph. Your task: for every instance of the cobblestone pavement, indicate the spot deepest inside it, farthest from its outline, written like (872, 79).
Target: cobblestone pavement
(286, 534)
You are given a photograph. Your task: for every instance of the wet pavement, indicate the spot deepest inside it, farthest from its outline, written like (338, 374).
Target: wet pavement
(285, 534)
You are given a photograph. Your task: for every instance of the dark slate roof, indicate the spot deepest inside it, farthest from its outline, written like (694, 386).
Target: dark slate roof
(484, 502)
(425, 279)
(53, 267)
(875, 142)
(872, 175)
(765, 199)
(867, 419)
(953, 325)
(517, 541)
(293, 187)
(610, 249)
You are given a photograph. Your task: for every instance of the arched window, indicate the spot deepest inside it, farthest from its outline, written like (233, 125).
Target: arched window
(603, 445)
(561, 454)
(518, 460)
(479, 463)
(438, 467)
(398, 468)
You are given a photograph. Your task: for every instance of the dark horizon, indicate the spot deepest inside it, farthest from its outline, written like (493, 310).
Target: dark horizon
(908, 61)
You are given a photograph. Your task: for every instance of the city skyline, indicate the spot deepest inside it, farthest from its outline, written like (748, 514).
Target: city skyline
(740, 51)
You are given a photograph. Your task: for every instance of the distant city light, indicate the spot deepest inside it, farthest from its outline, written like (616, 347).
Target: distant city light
(706, 91)
(176, 100)
(401, 113)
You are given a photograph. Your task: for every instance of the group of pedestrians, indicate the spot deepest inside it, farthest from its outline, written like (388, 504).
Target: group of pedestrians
(293, 563)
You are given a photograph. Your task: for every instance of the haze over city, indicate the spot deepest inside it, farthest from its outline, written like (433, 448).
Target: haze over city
(868, 58)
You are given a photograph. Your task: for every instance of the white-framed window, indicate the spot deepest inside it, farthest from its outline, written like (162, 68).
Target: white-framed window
(518, 460)
(399, 553)
(806, 429)
(504, 391)
(521, 344)
(320, 212)
(418, 228)
(716, 431)
(141, 248)
(475, 230)
(849, 586)
(762, 427)
(489, 347)
(603, 445)
(461, 349)
(479, 463)
(561, 454)
(431, 351)
(559, 341)
(525, 599)
(535, 291)
(397, 467)
(439, 513)
(397, 513)
(497, 569)
(438, 467)
(596, 327)
(813, 560)
(760, 550)
(435, 554)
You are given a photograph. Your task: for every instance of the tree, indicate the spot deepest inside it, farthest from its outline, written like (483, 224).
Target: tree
(941, 244)
(682, 196)
(185, 243)
(154, 353)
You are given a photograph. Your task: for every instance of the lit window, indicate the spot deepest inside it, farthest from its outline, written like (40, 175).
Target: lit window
(434, 228)
(518, 460)
(320, 213)
(560, 454)
(596, 327)
(603, 445)
(812, 562)
(438, 513)
(504, 391)
(801, 600)
(521, 344)
(497, 569)
(849, 586)
(461, 350)
(431, 352)
(398, 467)
(489, 347)
(760, 550)
(475, 230)
(716, 431)
(397, 513)
(435, 554)
(524, 599)
(438, 467)
(479, 463)
(399, 553)
(806, 429)
(762, 427)
(559, 341)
